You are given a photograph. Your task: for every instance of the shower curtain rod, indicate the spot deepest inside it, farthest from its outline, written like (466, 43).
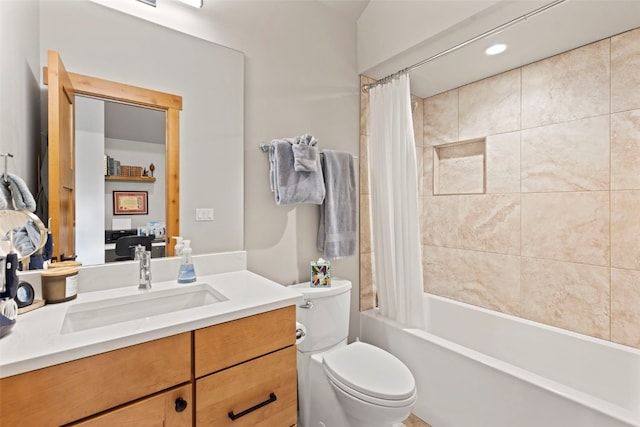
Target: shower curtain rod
(387, 79)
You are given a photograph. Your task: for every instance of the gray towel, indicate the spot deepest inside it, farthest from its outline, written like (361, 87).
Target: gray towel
(22, 198)
(305, 154)
(305, 158)
(337, 233)
(25, 239)
(303, 139)
(291, 187)
(5, 196)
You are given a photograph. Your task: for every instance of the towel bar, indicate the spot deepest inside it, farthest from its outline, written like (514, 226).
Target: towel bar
(5, 170)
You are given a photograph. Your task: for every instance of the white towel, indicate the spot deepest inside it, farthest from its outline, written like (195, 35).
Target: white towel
(337, 233)
(291, 187)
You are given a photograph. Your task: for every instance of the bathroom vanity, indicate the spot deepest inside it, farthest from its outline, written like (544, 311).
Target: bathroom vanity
(227, 362)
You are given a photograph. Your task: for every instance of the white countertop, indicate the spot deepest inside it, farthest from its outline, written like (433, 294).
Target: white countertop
(36, 340)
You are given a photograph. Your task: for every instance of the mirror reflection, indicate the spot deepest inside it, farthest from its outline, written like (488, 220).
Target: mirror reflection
(208, 78)
(78, 164)
(23, 233)
(128, 141)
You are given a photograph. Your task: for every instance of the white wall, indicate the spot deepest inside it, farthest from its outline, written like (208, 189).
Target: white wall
(19, 88)
(300, 76)
(89, 189)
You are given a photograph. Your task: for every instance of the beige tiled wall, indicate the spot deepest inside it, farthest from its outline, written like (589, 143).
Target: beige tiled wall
(556, 236)
(367, 294)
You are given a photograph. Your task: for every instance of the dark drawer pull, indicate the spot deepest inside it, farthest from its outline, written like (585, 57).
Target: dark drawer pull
(272, 398)
(181, 404)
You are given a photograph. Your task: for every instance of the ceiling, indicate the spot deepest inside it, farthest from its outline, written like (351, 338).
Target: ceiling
(563, 27)
(132, 123)
(350, 9)
(568, 25)
(124, 121)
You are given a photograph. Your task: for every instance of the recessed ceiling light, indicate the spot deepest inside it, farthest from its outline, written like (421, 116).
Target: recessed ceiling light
(496, 49)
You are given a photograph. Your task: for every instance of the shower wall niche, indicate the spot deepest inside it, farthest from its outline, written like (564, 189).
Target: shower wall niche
(460, 167)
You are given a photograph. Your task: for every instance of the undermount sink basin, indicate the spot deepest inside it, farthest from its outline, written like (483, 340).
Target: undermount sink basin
(89, 315)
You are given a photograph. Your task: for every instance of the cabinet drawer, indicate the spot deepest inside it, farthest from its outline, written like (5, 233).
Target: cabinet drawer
(74, 390)
(161, 410)
(246, 386)
(227, 344)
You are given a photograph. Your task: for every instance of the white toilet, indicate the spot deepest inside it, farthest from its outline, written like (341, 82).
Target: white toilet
(340, 385)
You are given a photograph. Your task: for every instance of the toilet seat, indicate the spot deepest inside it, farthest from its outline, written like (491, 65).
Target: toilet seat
(370, 374)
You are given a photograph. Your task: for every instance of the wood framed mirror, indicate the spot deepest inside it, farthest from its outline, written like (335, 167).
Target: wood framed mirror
(63, 86)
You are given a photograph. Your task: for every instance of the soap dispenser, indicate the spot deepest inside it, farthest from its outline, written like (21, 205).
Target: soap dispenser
(187, 273)
(177, 249)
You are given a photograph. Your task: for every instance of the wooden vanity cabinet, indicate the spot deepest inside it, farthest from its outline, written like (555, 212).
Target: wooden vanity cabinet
(244, 369)
(71, 391)
(246, 372)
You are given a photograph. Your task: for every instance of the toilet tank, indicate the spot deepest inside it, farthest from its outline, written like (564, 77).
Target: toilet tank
(326, 316)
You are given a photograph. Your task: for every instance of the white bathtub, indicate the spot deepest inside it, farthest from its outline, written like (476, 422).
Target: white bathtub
(479, 368)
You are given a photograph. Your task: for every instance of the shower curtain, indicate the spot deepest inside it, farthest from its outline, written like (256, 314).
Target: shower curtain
(397, 254)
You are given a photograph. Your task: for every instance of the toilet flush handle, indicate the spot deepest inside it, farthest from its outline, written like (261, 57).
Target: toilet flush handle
(300, 334)
(307, 304)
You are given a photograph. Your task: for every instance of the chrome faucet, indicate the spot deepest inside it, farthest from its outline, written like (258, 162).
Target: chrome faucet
(144, 257)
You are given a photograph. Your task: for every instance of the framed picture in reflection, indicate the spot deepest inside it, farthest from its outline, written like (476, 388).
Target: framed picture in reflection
(130, 203)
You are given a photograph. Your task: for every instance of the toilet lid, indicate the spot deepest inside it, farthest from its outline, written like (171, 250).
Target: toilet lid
(371, 371)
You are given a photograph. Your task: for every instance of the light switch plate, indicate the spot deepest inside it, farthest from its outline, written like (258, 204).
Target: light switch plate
(204, 214)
